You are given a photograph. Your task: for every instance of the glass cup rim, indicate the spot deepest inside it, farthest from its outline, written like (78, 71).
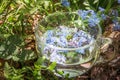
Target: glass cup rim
(72, 49)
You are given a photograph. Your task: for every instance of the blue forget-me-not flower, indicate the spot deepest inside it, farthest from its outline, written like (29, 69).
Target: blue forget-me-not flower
(102, 15)
(56, 57)
(101, 9)
(63, 41)
(83, 14)
(65, 3)
(81, 51)
(93, 20)
(116, 27)
(90, 16)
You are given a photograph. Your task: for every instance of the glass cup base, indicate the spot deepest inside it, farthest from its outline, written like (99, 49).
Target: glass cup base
(73, 70)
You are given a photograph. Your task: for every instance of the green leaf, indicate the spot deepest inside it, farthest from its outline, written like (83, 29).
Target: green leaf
(46, 4)
(71, 54)
(60, 72)
(15, 58)
(52, 66)
(40, 61)
(33, 10)
(18, 77)
(27, 1)
(7, 70)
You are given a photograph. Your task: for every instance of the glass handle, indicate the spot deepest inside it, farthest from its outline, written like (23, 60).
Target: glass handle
(104, 48)
(105, 44)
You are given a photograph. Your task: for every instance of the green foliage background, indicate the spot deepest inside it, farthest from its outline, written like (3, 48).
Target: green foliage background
(17, 18)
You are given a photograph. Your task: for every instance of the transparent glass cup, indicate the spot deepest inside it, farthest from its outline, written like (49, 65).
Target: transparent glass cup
(72, 60)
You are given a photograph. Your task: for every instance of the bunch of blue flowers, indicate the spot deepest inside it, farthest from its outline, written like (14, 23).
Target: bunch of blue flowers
(90, 17)
(64, 37)
(67, 37)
